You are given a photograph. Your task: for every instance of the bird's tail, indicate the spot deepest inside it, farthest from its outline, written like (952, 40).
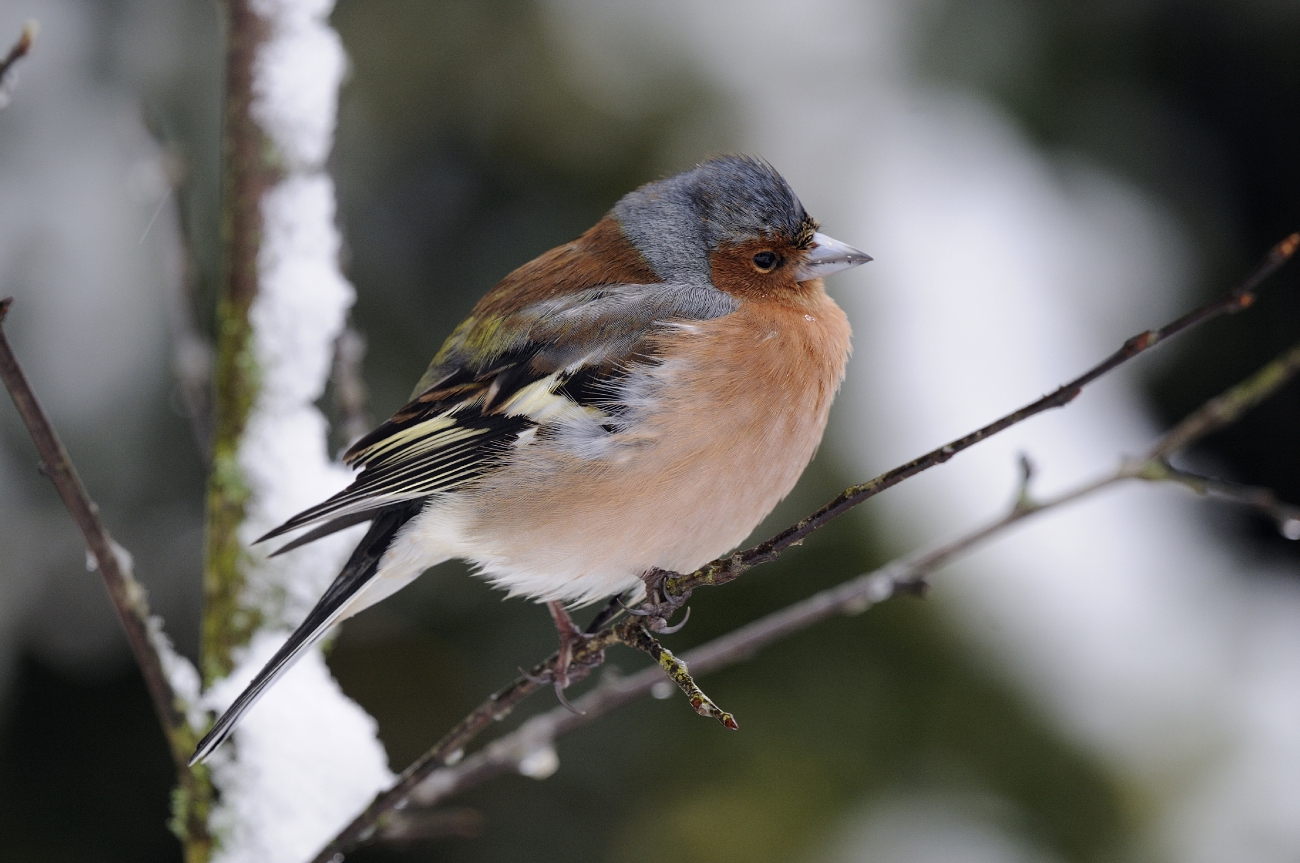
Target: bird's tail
(357, 574)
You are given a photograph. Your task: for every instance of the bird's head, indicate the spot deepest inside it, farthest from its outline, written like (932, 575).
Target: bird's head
(732, 222)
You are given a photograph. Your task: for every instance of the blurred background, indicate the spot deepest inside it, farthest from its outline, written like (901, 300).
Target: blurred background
(1037, 179)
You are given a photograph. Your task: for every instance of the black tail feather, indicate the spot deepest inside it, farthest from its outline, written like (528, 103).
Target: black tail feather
(356, 574)
(332, 526)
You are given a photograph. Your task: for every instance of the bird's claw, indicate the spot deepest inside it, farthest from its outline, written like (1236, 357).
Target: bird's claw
(677, 627)
(634, 610)
(559, 696)
(656, 621)
(660, 605)
(539, 679)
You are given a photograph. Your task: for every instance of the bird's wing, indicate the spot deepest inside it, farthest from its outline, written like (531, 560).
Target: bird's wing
(559, 366)
(556, 362)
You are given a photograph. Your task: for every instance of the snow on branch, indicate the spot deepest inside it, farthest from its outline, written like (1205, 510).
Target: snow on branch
(307, 758)
(172, 681)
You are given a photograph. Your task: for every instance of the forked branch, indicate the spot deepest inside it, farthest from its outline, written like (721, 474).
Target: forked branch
(855, 596)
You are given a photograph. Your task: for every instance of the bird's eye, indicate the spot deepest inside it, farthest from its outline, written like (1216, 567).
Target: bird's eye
(766, 261)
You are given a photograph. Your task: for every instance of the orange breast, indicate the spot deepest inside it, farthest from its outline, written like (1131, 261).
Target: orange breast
(740, 408)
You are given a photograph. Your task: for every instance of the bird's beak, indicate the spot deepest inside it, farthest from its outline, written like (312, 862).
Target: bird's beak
(828, 256)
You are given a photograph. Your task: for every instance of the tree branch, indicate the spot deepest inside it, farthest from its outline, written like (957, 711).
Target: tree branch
(1227, 408)
(113, 561)
(248, 171)
(852, 597)
(425, 826)
(1263, 500)
(725, 569)
(855, 596)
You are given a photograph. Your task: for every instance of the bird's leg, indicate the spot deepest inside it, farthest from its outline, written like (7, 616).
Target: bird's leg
(636, 635)
(567, 668)
(571, 637)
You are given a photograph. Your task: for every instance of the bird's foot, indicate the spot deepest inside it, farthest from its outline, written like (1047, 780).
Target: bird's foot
(660, 605)
(635, 634)
(567, 670)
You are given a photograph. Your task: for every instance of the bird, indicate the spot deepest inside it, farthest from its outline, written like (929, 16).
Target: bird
(636, 400)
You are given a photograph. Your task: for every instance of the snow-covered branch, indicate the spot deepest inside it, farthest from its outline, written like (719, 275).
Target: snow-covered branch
(172, 681)
(307, 758)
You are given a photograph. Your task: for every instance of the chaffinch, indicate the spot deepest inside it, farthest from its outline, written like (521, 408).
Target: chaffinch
(637, 399)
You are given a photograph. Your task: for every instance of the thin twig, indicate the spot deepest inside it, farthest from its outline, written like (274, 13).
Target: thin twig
(127, 594)
(1218, 412)
(852, 597)
(21, 48)
(678, 671)
(1263, 500)
(745, 640)
(494, 708)
(725, 569)
(409, 827)
(855, 596)
(1228, 407)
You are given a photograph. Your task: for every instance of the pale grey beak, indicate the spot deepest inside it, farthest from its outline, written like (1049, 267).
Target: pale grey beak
(828, 256)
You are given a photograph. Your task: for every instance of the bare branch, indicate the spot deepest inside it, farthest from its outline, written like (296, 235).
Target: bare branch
(494, 708)
(113, 562)
(1264, 500)
(725, 569)
(1228, 407)
(248, 173)
(678, 671)
(408, 827)
(425, 779)
(855, 596)
(1218, 412)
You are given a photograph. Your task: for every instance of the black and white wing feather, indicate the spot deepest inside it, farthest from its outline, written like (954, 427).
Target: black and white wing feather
(554, 363)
